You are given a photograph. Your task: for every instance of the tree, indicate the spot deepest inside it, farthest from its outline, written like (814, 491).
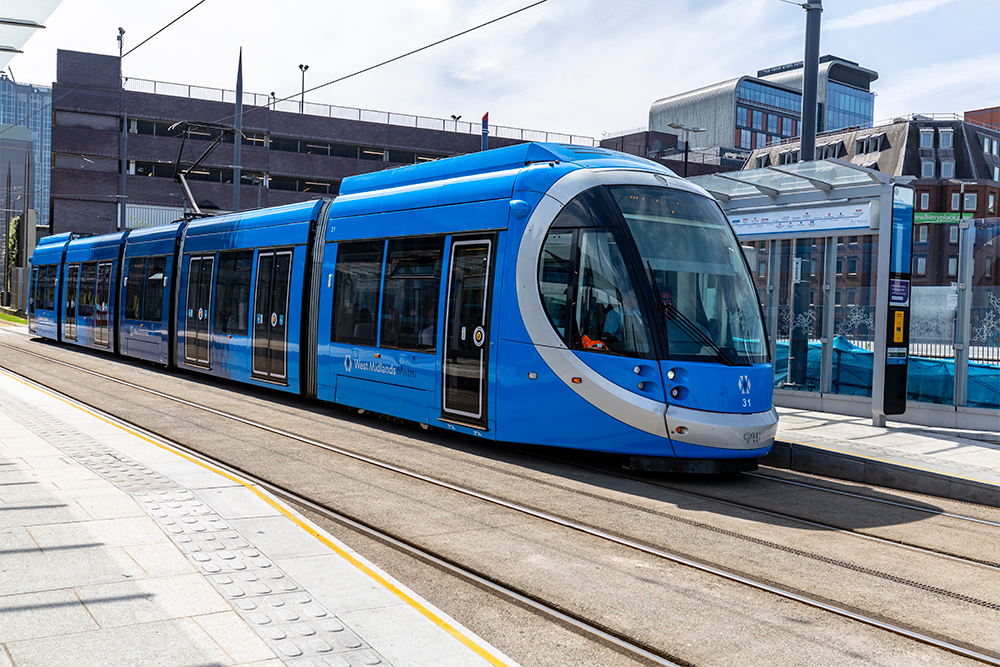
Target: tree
(11, 250)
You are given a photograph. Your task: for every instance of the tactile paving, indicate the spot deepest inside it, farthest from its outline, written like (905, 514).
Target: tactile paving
(298, 628)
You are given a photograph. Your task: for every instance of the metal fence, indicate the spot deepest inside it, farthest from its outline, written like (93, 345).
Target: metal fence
(856, 325)
(350, 113)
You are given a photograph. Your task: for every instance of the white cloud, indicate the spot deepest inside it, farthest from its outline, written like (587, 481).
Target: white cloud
(953, 86)
(581, 66)
(884, 14)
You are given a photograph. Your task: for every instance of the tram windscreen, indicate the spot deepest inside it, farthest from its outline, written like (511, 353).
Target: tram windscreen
(696, 269)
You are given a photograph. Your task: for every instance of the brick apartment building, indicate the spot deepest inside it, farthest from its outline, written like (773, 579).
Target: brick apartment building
(286, 155)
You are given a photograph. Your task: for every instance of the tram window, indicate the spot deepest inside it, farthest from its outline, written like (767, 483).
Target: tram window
(36, 286)
(43, 273)
(88, 279)
(410, 293)
(695, 265)
(42, 287)
(50, 287)
(553, 278)
(152, 308)
(356, 291)
(133, 288)
(232, 293)
(606, 310)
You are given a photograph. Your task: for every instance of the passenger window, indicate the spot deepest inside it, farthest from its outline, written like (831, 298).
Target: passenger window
(133, 288)
(50, 287)
(232, 293)
(43, 273)
(355, 292)
(33, 293)
(88, 280)
(607, 314)
(553, 278)
(410, 294)
(152, 309)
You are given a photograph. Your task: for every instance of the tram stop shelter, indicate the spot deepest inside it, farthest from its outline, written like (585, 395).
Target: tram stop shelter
(818, 238)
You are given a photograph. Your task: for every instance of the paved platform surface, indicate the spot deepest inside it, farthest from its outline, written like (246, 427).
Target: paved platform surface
(950, 463)
(117, 550)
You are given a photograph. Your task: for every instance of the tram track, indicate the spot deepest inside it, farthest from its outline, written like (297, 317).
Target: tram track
(634, 507)
(788, 516)
(727, 573)
(605, 635)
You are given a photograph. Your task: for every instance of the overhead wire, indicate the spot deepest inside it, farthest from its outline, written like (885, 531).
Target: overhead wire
(105, 68)
(394, 59)
(314, 88)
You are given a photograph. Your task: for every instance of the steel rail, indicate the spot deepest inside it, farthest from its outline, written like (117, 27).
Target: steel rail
(605, 635)
(588, 530)
(883, 501)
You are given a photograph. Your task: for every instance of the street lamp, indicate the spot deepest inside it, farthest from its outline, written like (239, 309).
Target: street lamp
(455, 118)
(302, 102)
(687, 143)
(961, 196)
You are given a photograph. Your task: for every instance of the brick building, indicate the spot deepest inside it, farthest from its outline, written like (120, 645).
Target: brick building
(953, 164)
(286, 155)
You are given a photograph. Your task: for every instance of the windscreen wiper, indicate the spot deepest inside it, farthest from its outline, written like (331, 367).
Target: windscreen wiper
(690, 328)
(698, 335)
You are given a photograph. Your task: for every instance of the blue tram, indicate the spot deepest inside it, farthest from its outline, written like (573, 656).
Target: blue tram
(540, 293)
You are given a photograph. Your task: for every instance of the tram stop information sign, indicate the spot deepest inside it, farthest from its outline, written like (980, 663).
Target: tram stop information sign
(898, 321)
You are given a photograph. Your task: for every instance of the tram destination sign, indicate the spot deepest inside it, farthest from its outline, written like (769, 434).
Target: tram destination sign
(804, 221)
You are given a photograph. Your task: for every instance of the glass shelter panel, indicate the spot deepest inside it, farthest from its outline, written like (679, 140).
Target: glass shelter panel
(984, 348)
(854, 315)
(800, 314)
(759, 255)
(930, 374)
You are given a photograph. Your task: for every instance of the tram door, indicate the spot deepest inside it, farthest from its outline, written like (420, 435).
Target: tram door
(72, 285)
(270, 320)
(466, 332)
(199, 305)
(102, 305)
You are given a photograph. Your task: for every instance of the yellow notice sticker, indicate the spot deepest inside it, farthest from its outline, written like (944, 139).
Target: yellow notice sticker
(897, 336)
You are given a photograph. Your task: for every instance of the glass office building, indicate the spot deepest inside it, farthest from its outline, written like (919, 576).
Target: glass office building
(31, 107)
(749, 113)
(843, 94)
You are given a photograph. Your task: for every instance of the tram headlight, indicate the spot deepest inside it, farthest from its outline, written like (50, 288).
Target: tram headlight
(671, 374)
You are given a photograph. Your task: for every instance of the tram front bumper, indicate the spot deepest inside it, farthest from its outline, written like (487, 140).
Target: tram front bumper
(722, 430)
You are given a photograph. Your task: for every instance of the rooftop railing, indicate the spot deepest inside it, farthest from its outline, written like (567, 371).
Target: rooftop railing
(624, 133)
(350, 113)
(909, 118)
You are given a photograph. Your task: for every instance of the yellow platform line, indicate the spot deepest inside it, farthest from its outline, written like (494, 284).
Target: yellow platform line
(887, 462)
(388, 585)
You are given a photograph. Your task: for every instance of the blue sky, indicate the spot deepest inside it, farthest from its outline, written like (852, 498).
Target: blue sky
(576, 66)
